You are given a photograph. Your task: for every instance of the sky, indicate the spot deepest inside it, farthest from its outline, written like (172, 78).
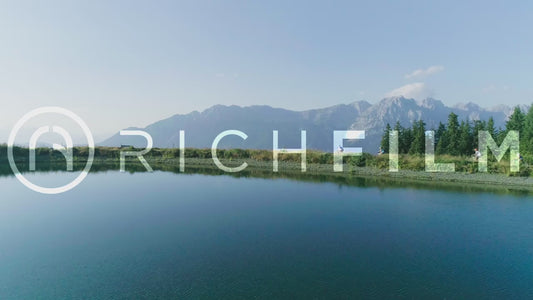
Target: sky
(130, 63)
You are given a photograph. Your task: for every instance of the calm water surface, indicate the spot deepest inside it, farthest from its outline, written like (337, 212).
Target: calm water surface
(165, 235)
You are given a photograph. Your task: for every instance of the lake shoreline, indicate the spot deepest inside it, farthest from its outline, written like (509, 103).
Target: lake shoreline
(482, 180)
(316, 172)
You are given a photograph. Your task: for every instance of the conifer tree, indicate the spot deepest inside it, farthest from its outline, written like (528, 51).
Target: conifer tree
(452, 135)
(516, 121)
(441, 139)
(464, 145)
(406, 137)
(526, 138)
(385, 139)
(478, 126)
(418, 143)
(491, 129)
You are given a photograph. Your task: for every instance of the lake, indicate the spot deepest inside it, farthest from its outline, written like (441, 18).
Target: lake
(166, 235)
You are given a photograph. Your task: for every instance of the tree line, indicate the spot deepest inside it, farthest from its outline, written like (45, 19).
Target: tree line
(460, 138)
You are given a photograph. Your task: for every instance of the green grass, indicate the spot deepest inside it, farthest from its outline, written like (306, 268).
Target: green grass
(463, 164)
(367, 167)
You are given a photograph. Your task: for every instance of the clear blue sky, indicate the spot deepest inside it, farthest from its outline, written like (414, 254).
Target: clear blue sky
(125, 63)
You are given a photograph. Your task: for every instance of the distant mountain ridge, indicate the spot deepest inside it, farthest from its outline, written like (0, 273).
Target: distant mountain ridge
(258, 121)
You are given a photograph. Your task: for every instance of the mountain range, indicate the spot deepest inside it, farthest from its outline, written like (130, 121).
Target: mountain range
(258, 121)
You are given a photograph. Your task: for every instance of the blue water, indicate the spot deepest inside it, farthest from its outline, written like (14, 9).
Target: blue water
(165, 235)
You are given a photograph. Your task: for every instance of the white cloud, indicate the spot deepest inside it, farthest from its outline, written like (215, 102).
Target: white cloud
(420, 73)
(417, 90)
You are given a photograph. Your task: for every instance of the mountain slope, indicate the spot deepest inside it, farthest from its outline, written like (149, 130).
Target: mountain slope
(259, 121)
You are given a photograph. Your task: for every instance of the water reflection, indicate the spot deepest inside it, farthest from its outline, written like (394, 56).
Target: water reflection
(342, 179)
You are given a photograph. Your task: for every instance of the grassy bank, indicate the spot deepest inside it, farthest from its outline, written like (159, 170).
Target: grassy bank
(463, 164)
(318, 164)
